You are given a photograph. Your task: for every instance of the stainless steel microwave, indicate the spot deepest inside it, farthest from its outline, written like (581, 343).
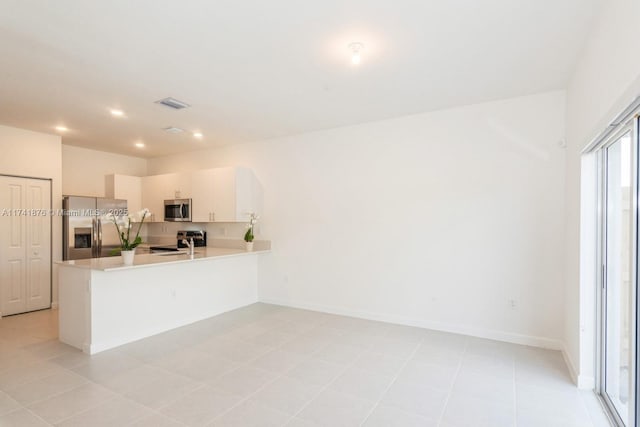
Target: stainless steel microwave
(177, 210)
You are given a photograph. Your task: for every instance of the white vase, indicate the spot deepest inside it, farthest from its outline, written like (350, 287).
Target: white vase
(127, 256)
(249, 246)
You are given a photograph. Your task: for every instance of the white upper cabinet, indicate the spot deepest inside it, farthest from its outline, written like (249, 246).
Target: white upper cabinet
(158, 188)
(153, 188)
(224, 194)
(125, 187)
(218, 195)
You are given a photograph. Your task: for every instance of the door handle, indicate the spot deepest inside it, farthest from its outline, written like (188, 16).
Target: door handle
(99, 237)
(94, 237)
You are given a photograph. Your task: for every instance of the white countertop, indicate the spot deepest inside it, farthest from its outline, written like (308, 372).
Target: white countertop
(150, 260)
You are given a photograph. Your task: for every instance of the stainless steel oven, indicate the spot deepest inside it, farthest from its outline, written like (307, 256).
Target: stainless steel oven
(177, 210)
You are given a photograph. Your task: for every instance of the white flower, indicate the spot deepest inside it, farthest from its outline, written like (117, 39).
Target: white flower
(140, 215)
(253, 218)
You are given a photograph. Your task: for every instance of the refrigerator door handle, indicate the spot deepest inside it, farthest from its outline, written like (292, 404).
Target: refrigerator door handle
(94, 237)
(99, 238)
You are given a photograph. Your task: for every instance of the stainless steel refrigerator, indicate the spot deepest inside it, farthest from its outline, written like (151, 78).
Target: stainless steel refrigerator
(85, 235)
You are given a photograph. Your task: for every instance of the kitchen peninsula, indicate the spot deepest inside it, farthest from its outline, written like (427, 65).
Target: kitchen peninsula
(104, 303)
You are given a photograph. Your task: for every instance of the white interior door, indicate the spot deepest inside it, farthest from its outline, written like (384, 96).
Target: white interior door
(38, 245)
(25, 245)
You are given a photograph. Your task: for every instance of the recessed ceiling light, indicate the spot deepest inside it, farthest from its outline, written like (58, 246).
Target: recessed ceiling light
(117, 113)
(139, 144)
(61, 128)
(197, 135)
(356, 55)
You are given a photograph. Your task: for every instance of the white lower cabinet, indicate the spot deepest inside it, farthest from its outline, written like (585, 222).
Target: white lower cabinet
(25, 244)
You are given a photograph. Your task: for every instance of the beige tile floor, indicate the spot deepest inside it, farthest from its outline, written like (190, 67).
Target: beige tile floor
(267, 365)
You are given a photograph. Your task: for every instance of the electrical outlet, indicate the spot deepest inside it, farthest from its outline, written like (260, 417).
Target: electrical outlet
(512, 304)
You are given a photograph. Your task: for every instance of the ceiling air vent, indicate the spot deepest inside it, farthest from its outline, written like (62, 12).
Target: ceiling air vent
(173, 103)
(173, 129)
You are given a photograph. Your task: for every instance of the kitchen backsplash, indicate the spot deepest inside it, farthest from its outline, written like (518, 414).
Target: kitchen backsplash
(165, 232)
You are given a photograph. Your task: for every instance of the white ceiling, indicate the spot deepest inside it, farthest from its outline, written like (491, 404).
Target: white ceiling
(258, 69)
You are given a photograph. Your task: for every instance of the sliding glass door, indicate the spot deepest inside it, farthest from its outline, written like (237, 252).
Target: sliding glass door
(618, 320)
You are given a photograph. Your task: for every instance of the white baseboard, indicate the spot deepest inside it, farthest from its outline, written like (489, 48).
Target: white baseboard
(570, 365)
(584, 382)
(510, 337)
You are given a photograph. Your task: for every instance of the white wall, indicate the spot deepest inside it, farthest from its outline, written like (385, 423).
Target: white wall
(606, 80)
(436, 219)
(83, 170)
(37, 155)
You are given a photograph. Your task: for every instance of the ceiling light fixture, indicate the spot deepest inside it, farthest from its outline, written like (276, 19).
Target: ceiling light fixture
(173, 103)
(173, 129)
(117, 113)
(61, 128)
(197, 135)
(356, 49)
(140, 144)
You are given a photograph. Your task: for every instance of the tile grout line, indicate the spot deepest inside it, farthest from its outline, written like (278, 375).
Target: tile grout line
(322, 389)
(586, 408)
(277, 377)
(35, 402)
(455, 377)
(200, 384)
(92, 382)
(395, 378)
(114, 392)
(87, 409)
(515, 394)
(171, 401)
(205, 385)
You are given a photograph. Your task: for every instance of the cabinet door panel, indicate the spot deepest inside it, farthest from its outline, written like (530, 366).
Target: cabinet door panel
(152, 196)
(224, 194)
(125, 187)
(202, 195)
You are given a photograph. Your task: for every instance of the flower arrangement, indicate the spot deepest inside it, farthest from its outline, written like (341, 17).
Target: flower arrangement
(124, 226)
(253, 219)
